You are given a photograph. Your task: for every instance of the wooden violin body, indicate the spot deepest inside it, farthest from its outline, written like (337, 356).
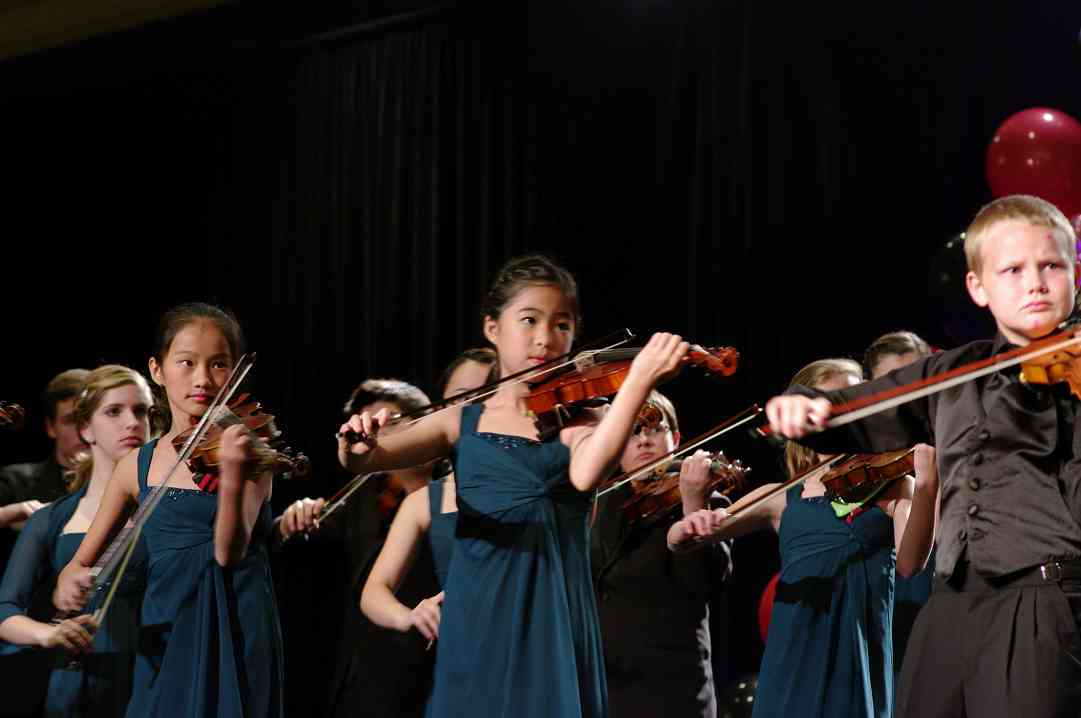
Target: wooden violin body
(269, 452)
(553, 400)
(852, 478)
(654, 499)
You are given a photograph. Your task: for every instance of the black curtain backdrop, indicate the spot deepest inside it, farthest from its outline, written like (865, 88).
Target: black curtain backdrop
(776, 177)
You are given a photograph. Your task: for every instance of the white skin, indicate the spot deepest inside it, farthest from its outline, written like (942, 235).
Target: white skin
(912, 498)
(66, 440)
(195, 366)
(117, 426)
(1026, 278)
(412, 522)
(537, 325)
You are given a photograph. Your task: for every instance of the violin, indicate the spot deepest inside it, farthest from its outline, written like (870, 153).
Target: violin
(1050, 360)
(609, 342)
(269, 452)
(852, 478)
(601, 374)
(657, 498)
(11, 415)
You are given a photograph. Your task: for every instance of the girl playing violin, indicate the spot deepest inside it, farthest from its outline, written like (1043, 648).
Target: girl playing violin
(111, 416)
(210, 622)
(654, 605)
(829, 649)
(519, 621)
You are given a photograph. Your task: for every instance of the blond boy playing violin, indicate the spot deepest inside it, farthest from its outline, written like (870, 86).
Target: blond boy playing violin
(999, 635)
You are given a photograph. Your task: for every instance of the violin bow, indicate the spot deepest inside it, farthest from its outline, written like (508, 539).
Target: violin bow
(746, 416)
(579, 357)
(338, 500)
(114, 561)
(881, 401)
(608, 342)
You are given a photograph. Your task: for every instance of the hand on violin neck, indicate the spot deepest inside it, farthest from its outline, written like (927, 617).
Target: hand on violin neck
(694, 482)
(659, 360)
(923, 461)
(237, 451)
(794, 416)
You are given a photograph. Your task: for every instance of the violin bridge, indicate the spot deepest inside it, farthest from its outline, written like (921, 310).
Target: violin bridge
(585, 360)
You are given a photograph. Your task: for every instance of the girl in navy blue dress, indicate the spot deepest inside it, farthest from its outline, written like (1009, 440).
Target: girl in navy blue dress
(518, 633)
(210, 623)
(111, 416)
(829, 649)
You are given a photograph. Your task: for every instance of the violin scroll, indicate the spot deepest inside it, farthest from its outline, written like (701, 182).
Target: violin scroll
(12, 415)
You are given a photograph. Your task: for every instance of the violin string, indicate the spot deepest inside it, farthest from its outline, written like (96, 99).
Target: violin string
(721, 429)
(876, 407)
(528, 374)
(128, 538)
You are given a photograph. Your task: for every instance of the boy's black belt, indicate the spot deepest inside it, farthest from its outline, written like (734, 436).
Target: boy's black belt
(1060, 570)
(966, 579)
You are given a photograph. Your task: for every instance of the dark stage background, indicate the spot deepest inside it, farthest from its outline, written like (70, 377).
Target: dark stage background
(779, 177)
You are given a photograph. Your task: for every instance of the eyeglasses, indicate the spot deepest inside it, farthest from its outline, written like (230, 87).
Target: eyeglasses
(650, 431)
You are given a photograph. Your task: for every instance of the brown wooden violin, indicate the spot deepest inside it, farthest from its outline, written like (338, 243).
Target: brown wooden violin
(269, 452)
(11, 415)
(601, 374)
(657, 497)
(853, 478)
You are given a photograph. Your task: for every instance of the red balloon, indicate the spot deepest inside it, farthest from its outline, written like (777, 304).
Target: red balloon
(1038, 152)
(765, 605)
